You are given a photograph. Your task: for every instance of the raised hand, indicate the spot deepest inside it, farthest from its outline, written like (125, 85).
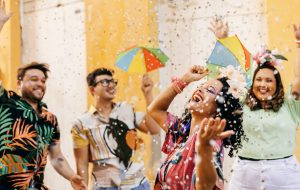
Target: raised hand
(147, 84)
(209, 129)
(219, 28)
(212, 129)
(296, 81)
(195, 73)
(4, 17)
(297, 31)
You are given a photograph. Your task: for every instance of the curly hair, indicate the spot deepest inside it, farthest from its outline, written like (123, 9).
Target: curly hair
(228, 108)
(277, 100)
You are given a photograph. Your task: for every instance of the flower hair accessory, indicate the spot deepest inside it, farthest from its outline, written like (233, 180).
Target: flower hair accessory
(271, 57)
(236, 81)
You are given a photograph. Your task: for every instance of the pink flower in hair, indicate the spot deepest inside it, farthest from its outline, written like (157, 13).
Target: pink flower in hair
(266, 56)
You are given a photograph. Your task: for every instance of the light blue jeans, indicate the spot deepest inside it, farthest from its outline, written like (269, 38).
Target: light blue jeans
(143, 186)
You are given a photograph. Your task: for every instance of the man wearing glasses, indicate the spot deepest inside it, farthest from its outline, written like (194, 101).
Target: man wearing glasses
(106, 136)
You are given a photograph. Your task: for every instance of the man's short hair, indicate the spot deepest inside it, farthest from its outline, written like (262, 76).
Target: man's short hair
(44, 67)
(97, 72)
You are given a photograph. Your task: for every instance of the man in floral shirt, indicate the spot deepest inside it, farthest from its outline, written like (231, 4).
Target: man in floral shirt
(28, 132)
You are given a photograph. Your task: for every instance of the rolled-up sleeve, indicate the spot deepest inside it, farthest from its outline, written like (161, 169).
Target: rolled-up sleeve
(79, 135)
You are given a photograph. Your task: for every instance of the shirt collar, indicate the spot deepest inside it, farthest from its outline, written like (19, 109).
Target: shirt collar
(93, 109)
(15, 96)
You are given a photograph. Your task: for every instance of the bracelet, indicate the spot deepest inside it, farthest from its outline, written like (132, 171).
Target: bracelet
(298, 43)
(176, 88)
(179, 82)
(178, 85)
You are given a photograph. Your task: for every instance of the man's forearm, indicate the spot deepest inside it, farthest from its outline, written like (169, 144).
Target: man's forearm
(61, 165)
(83, 171)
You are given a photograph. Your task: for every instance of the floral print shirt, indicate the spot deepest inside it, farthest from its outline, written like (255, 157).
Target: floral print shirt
(25, 137)
(177, 172)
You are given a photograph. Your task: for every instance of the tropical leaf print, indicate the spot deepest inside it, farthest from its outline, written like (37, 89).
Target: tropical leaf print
(5, 127)
(21, 181)
(27, 112)
(24, 140)
(11, 163)
(48, 116)
(46, 133)
(22, 136)
(42, 161)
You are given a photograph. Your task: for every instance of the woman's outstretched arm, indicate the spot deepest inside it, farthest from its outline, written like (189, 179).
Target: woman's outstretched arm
(296, 81)
(4, 17)
(159, 106)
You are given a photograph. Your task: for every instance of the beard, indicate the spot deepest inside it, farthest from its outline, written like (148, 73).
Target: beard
(30, 95)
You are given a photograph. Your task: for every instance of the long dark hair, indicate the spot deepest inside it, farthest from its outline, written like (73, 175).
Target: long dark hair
(277, 100)
(228, 108)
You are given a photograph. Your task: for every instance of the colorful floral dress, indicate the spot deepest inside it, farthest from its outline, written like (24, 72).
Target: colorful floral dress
(177, 172)
(24, 140)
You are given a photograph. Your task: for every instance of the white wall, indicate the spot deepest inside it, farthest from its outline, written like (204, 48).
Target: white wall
(184, 36)
(53, 32)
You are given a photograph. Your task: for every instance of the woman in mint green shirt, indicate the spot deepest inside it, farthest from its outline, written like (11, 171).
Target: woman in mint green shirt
(270, 121)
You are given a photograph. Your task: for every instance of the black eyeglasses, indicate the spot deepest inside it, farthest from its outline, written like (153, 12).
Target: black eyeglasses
(107, 82)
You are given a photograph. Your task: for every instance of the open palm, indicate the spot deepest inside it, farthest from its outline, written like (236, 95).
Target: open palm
(219, 28)
(297, 31)
(3, 15)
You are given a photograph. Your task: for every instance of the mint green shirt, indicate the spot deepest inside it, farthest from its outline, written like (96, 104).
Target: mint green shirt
(271, 134)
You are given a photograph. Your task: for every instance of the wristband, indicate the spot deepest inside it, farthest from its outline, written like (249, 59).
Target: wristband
(178, 85)
(179, 82)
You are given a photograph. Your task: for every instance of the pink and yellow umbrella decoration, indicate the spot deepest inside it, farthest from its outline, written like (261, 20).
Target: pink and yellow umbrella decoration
(140, 60)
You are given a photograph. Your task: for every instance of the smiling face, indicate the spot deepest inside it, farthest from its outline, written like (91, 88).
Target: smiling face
(105, 87)
(203, 100)
(264, 84)
(33, 85)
